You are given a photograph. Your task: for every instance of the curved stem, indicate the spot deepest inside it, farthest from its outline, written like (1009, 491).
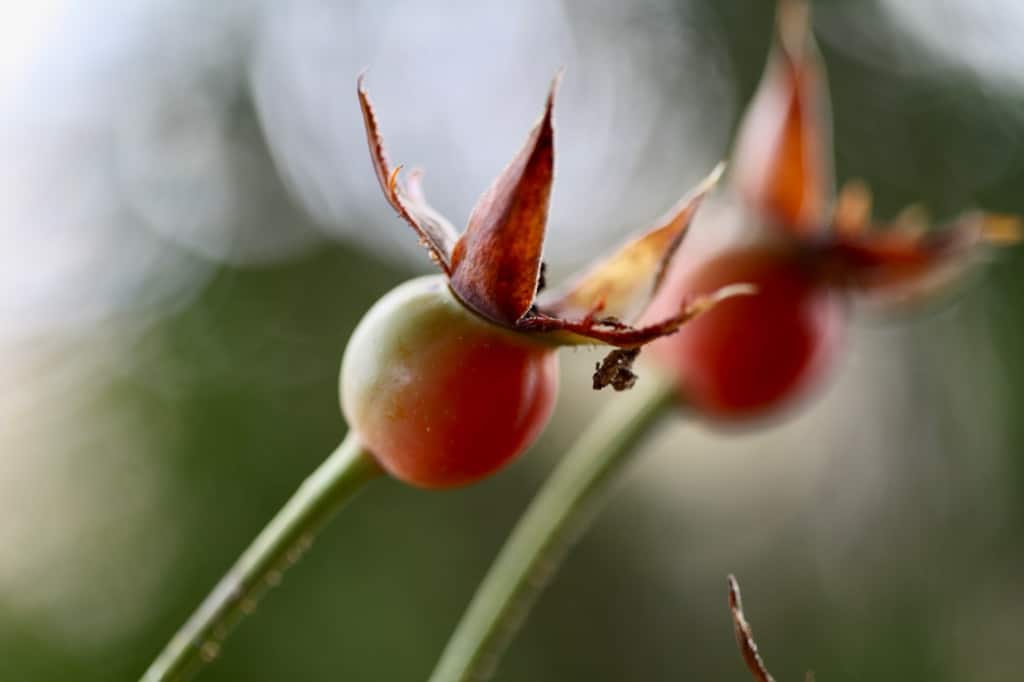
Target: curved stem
(558, 515)
(284, 540)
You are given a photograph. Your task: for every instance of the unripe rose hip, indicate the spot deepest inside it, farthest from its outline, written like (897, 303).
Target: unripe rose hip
(440, 396)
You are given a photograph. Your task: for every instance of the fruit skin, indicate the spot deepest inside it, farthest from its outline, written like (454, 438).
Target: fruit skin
(751, 355)
(440, 396)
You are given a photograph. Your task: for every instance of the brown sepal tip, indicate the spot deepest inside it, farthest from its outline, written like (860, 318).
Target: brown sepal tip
(433, 230)
(744, 635)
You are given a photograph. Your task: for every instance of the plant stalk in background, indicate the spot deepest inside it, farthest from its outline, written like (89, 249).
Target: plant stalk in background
(285, 539)
(556, 517)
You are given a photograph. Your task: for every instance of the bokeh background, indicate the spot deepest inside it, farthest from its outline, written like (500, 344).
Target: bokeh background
(190, 231)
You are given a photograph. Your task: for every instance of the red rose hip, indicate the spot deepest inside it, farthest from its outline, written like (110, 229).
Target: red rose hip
(440, 396)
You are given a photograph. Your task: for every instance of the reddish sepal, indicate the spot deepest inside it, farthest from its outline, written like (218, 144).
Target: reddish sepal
(782, 164)
(496, 262)
(434, 231)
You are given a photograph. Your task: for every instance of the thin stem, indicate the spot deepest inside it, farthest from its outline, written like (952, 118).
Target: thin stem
(281, 543)
(558, 515)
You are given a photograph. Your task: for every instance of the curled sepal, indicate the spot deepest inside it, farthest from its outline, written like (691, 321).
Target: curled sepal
(434, 231)
(906, 258)
(496, 262)
(622, 285)
(744, 636)
(782, 164)
(590, 330)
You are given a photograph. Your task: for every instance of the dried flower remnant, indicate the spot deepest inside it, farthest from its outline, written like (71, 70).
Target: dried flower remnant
(616, 370)
(494, 267)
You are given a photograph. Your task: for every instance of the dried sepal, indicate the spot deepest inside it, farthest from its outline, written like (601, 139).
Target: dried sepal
(434, 231)
(495, 267)
(908, 257)
(496, 262)
(590, 329)
(623, 284)
(782, 164)
(744, 636)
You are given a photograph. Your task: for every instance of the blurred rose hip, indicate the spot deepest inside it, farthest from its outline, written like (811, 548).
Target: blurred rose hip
(755, 352)
(809, 254)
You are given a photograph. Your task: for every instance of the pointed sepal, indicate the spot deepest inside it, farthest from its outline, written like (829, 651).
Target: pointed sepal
(496, 262)
(434, 231)
(622, 285)
(905, 259)
(782, 163)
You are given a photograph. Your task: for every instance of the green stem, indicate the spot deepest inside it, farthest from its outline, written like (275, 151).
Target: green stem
(284, 540)
(558, 515)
